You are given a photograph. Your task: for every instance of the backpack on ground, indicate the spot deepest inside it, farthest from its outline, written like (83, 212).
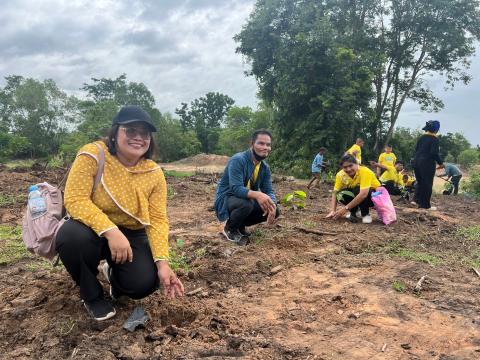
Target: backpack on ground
(39, 232)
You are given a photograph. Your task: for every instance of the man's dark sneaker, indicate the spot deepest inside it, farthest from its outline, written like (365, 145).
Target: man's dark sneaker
(100, 309)
(244, 231)
(235, 236)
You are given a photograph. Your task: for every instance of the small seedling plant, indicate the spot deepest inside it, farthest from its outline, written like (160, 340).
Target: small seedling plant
(295, 200)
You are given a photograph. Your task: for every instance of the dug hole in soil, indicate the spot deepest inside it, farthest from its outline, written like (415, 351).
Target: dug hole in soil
(306, 288)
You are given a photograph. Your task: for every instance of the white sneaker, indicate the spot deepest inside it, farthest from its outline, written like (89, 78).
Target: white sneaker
(367, 219)
(413, 203)
(358, 213)
(433, 208)
(348, 215)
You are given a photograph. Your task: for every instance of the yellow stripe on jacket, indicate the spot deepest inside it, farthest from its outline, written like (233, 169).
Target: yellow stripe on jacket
(133, 198)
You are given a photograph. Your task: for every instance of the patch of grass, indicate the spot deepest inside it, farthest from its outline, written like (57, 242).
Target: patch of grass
(67, 326)
(178, 174)
(20, 163)
(39, 264)
(200, 253)
(10, 232)
(309, 224)
(170, 192)
(12, 248)
(417, 256)
(399, 286)
(6, 200)
(469, 233)
(258, 236)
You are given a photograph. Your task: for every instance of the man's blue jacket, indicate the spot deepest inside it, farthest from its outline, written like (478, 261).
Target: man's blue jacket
(238, 171)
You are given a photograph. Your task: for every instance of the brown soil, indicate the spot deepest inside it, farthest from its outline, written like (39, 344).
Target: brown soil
(332, 299)
(204, 163)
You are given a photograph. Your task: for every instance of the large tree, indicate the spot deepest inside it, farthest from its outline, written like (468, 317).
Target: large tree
(319, 88)
(206, 115)
(37, 111)
(307, 55)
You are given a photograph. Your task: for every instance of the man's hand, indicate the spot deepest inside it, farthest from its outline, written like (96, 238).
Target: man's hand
(330, 214)
(265, 202)
(271, 216)
(172, 286)
(119, 246)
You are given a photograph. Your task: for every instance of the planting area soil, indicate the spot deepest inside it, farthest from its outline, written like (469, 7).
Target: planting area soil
(344, 292)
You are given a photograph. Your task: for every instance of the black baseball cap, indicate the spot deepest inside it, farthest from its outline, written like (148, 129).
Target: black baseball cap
(131, 113)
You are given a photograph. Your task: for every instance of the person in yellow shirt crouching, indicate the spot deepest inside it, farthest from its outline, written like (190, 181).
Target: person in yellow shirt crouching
(124, 220)
(387, 158)
(353, 187)
(392, 177)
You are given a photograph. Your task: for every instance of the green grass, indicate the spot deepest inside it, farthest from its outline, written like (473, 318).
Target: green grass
(39, 264)
(418, 256)
(309, 224)
(178, 174)
(12, 248)
(170, 192)
(399, 286)
(20, 163)
(6, 200)
(470, 233)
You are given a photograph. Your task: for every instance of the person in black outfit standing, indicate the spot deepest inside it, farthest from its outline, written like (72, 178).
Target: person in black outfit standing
(426, 155)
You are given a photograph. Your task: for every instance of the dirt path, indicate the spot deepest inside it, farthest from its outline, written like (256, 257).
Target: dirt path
(349, 295)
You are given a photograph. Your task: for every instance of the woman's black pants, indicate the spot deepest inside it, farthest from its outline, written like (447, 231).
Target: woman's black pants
(364, 206)
(424, 174)
(81, 251)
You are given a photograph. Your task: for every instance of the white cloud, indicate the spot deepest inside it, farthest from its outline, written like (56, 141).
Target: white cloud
(179, 49)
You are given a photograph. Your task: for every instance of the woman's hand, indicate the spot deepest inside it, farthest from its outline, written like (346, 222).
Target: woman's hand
(119, 246)
(172, 286)
(340, 213)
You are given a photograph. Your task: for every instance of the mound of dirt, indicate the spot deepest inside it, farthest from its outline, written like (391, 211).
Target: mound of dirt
(203, 160)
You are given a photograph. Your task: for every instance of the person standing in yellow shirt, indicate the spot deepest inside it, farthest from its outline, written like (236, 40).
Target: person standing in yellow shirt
(387, 158)
(353, 188)
(356, 150)
(124, 221)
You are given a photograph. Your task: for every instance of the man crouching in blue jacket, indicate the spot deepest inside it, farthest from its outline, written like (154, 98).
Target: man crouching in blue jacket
(244, 194)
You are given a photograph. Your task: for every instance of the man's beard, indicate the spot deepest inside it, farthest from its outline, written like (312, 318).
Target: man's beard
(258, 157)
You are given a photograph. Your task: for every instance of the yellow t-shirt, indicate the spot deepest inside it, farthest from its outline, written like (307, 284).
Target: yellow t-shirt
(387, 159)
(255, 174)
(410, 181)
(365, 178)
(391, 174)
(358, 149)
(134, 197)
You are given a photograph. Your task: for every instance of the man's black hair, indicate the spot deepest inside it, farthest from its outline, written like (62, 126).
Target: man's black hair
(261, 132)
(399, 162)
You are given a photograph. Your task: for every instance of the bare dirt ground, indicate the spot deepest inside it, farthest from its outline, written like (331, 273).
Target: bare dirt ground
(346, 294)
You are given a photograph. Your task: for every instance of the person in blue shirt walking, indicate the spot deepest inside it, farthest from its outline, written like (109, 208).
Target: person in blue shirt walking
(318, 165)
(453, 174)
(244, 195)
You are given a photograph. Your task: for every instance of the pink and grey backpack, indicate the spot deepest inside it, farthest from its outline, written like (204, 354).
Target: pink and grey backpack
(39, 233)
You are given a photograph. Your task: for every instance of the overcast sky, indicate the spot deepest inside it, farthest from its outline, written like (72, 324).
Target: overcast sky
(181, 49)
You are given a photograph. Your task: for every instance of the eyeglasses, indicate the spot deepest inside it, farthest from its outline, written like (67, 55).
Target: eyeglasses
(132, 132)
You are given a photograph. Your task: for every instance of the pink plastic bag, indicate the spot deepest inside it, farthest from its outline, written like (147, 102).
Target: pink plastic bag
(384, 206)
